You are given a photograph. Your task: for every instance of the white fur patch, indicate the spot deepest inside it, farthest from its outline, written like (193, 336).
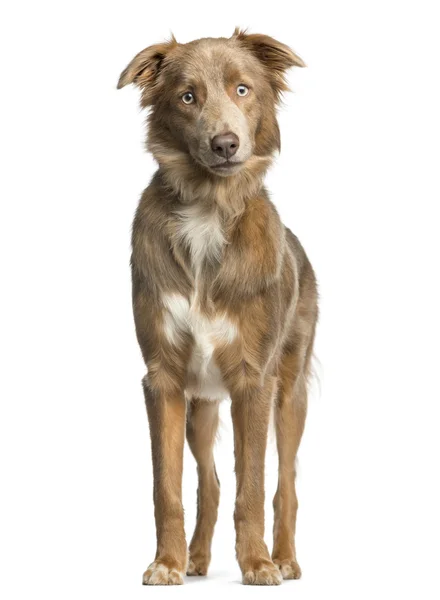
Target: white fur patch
(204, 377)
(202, 232)
(175, 317)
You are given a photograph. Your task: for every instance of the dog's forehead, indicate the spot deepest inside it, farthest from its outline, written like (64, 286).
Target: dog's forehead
(215, 59)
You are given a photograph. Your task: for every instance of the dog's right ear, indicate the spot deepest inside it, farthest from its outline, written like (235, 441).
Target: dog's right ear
(145, 68)
(276, 57)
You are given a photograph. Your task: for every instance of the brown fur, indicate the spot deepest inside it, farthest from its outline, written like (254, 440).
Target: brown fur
(249, 282)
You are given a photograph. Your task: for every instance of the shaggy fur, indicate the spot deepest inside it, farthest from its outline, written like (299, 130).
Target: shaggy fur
(224, 297)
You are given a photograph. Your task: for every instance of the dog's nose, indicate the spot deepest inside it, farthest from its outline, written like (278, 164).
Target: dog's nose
(225, 145)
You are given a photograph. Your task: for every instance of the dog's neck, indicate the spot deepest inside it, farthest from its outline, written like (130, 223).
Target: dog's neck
(191, 183)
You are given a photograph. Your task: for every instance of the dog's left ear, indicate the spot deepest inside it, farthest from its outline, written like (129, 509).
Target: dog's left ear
(274, 55)
(145, 68)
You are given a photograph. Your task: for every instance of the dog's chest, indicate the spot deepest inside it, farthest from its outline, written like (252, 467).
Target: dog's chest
(182, 317)
(202, 233)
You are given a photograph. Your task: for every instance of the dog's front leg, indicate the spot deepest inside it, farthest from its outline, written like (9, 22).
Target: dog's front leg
(250, 415)
(167, 415)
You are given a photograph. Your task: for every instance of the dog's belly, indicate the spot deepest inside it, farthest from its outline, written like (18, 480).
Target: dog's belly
(180, 317)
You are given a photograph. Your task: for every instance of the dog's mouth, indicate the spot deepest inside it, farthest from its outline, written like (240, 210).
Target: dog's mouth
(227, 167)
(223, 169)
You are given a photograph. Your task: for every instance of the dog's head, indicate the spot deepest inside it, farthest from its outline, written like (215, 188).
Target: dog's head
(213, 100)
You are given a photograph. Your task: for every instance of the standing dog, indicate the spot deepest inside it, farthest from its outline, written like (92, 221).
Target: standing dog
(224, 297)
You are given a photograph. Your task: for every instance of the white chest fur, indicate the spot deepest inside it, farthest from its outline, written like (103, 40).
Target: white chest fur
(200, 229)
(204, 376)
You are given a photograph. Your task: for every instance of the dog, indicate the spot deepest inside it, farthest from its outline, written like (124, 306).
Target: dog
(224, 296)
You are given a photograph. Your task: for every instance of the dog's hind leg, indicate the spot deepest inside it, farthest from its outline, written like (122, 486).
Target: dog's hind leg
(290, 415)
(200, 432)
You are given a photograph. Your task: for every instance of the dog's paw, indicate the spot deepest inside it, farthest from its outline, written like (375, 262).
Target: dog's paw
(289, 568)
(160, 574)
(197, 566)
(264, 573)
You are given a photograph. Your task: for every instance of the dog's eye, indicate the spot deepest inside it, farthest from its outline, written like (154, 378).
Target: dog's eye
(188, 98)
(242, 90)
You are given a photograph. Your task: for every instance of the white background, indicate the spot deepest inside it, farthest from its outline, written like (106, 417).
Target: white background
(357, 180)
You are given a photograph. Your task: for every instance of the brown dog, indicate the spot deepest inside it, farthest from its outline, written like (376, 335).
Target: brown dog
(224, 297)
